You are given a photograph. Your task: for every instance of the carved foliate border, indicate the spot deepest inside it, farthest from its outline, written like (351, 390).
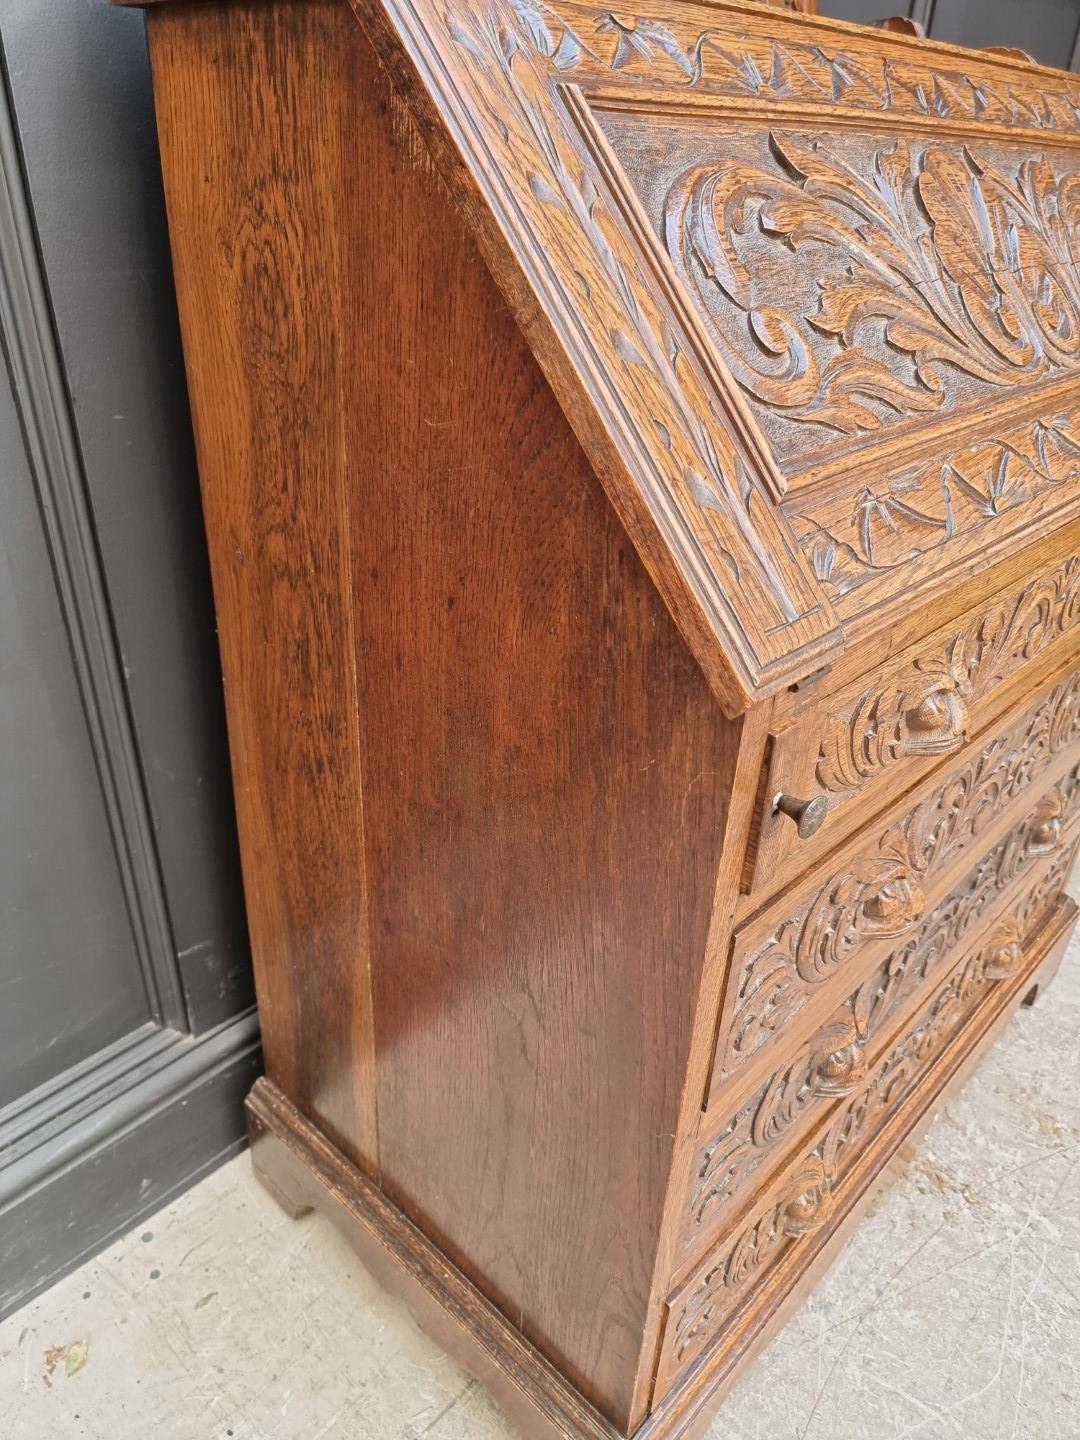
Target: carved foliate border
(834, 1062)
(746, 55)
(880, 894)
(857, 541)
(805, 1201)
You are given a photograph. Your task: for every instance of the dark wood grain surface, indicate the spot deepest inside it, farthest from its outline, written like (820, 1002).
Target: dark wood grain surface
(256, 205)
(544, 772)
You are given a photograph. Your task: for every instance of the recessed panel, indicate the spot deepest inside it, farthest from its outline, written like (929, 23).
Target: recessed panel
(860, 284)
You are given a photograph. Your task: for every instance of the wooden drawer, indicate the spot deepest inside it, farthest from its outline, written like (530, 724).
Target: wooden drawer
(1012, 885)
(762, 1256)
(869, 737)
(794, 961)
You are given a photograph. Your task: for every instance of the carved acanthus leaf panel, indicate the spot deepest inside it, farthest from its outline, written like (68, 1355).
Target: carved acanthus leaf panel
(880, 893)
(931, 260)
(926, 713)
(699, 1315)
(834, 1061)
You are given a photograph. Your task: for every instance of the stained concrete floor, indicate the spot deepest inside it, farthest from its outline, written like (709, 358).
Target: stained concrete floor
(953, 1312)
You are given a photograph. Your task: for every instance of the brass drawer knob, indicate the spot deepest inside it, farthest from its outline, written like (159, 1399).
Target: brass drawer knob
(809, 815)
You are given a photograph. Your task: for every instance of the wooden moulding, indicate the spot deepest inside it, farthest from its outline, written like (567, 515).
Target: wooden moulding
(304, 1172)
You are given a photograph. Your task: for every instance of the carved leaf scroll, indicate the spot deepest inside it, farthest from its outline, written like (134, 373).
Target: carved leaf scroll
(880, 893)
(960, 264)
(833, 1062)
(805, 1201)
(927, 712)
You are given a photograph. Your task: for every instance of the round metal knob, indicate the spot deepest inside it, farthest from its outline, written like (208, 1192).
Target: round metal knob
(809, 815)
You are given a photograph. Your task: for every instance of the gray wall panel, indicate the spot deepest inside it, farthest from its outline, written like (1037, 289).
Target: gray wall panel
(79, 82)
(1046, 29)
(1049, 30)
(70, 981)
(865, 12)
(126, 1034)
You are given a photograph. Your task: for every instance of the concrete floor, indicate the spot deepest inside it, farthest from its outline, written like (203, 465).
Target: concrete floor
(954, 1311)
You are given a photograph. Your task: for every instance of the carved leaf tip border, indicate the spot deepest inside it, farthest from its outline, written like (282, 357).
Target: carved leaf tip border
(922, 508)
(735, 58)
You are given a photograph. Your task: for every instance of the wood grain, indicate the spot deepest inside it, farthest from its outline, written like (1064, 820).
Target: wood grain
(531, 983)
(255, 209)
(694, 399)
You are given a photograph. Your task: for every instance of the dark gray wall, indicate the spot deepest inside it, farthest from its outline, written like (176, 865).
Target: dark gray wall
(1049, 30)
(81, 95)
(70, 981)
(127, 1037)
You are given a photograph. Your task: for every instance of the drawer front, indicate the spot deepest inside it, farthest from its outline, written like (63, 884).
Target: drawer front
(855, 748)
(820, 1183)
(875, 891)
(1012, 880)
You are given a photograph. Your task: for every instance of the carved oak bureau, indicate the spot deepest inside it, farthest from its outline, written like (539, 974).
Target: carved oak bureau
(641, 463)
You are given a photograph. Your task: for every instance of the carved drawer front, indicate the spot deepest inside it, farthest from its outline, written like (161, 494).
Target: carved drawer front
(753, 1263)
(795, 961)
(853, 750)
(1013, 881)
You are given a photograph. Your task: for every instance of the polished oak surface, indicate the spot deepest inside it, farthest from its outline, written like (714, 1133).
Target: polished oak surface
(639, 465)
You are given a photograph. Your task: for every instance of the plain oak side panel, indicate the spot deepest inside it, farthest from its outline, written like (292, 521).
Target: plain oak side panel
(249, 106)
(545, 780)
(544, 766)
